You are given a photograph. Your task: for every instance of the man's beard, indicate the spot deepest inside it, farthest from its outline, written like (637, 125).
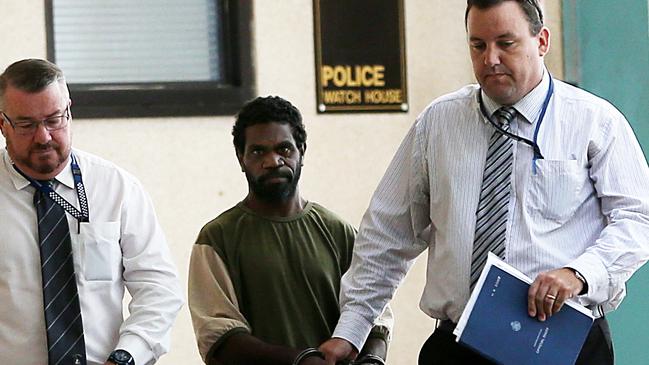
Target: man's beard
(275, 192)
(44, 166)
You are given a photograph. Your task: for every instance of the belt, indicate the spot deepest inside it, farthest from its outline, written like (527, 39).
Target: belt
(446, 325)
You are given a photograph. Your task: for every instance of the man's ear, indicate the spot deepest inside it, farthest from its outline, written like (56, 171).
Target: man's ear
(240, 160)
(2, 126)
(302, 153)
(544, 41)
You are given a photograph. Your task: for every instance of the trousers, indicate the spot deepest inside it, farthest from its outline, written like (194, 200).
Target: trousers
(442, 349)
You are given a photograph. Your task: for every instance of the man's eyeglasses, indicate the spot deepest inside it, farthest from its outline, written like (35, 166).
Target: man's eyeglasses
(29, 127)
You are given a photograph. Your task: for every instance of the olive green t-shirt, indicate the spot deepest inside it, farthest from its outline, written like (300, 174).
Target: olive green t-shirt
(281, 274)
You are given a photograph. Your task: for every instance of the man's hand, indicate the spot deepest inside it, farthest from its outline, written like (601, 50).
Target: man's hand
(550, 290)
(337, 349)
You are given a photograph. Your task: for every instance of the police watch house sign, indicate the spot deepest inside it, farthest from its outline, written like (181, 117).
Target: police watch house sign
(360, 55)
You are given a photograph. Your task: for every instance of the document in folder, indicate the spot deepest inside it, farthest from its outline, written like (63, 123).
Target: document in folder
(495, 322)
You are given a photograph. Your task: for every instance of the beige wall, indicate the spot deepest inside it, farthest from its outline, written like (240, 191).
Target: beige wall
(188, 164)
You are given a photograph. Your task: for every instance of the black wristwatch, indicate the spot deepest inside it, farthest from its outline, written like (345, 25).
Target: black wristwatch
(121, 357)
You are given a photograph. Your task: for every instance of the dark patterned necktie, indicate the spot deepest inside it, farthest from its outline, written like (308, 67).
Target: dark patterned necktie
(491, 215)
(65, 342)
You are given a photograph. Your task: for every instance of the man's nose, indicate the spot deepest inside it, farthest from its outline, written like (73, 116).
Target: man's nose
(491, 56)
(41, 134)
(273, 160)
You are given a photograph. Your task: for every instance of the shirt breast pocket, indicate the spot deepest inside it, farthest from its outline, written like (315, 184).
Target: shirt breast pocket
(101, 250)
(553, 192)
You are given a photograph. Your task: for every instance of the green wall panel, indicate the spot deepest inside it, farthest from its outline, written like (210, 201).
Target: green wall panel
(606, 48)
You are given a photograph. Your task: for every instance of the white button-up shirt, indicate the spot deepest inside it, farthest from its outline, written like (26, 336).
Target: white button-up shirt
(122, 246)
(585, 206)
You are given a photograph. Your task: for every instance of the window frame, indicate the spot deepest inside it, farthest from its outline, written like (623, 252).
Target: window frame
(166, 99)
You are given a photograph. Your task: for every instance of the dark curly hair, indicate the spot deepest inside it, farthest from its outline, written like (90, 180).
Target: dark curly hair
(266, 110)
(531, 8)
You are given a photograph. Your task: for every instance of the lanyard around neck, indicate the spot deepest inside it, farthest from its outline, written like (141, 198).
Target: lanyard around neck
(81, 215)
(532, 143)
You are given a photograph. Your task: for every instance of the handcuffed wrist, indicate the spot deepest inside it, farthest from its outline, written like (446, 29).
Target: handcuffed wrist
(310, 352)
(369, 359)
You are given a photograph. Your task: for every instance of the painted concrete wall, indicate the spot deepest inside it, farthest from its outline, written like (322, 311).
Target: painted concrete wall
(614, 65)
(188, 164)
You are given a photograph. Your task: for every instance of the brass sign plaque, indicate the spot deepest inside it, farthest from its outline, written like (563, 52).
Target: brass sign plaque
(360, 55)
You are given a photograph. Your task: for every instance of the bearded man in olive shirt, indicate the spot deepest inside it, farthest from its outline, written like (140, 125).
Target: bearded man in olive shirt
(265, 275)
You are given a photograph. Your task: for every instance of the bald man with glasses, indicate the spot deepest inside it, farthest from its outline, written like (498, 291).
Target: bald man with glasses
(76, 231)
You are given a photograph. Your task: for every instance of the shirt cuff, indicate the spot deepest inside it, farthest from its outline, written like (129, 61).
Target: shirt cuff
(353, 328)
(381, 332)
(137, 347)
(215, 346)
(596, 275)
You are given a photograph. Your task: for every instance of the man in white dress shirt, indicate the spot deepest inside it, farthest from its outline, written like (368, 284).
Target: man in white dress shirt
(114, 240)
(576, 203)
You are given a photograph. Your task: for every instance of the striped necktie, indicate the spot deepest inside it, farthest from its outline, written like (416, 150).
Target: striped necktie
(491, 215)
(65, 340)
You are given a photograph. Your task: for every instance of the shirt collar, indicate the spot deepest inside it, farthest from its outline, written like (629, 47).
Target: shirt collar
(17, 179)
(529, 107)
(64, 177)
